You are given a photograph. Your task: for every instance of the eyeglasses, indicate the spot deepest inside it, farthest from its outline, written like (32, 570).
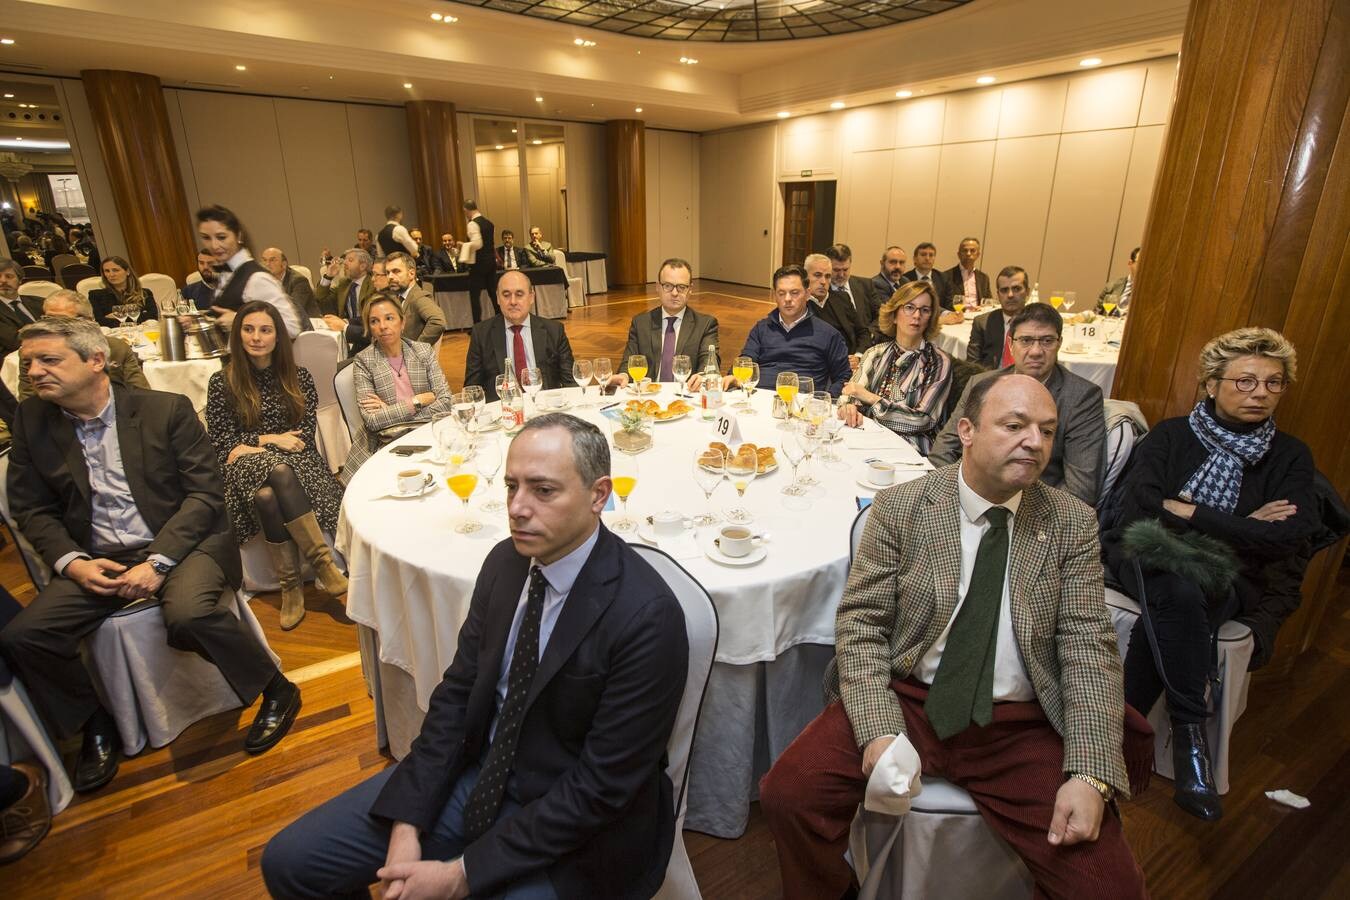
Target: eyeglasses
(1026, 342)
(674, 288)
(910, 309)
(1248, 383)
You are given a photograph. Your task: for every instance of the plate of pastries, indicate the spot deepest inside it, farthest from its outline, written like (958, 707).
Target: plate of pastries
(677, 409)
(765, 459)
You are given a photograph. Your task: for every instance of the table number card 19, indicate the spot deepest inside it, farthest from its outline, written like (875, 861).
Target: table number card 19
(727, 428)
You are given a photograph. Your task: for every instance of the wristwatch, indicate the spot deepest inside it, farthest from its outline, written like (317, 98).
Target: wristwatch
(1101, 787)
(417, 405)
(161, 568)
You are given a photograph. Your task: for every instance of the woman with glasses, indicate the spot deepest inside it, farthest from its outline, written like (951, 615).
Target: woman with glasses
(1209, 501)
(903, 383)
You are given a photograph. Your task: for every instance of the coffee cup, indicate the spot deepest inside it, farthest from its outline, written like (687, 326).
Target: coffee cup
(668, 523)
(881, 473)
(410, 481)
(735, 540)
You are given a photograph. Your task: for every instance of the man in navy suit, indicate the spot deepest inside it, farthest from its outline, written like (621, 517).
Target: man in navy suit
(540, 769)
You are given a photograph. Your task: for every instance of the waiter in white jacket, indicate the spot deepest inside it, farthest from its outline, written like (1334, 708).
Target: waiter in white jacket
(480, 253)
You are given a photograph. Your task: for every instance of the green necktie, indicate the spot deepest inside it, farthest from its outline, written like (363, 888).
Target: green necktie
(963, 690)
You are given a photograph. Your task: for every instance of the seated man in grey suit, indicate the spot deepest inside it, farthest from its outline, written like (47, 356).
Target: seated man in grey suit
(422, 317)
(119, 491)
(296, 286)
(1120, 291)
(538, 251)
(989, 345)
(673, 328)
(1076, 457)
(518, 337)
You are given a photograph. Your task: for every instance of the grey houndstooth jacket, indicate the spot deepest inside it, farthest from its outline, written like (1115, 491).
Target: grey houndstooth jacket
(372, 375)
(902, 591)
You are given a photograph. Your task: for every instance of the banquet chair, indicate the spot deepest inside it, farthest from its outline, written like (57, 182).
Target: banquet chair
(318, 352)
(29, 736)
(856, 532)
(1228, 694)
(701, 626)
(85, 285)
(305, 271)
(70, 275)
(162, 286)
(1125, 426)
(344, 386)
(576, 292)
(193, 277)
(39, 573)
(61, 260)
(37, 273)
(43, 289)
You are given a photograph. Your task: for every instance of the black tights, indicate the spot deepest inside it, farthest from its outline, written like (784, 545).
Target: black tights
(1184, 620)
(281, 499)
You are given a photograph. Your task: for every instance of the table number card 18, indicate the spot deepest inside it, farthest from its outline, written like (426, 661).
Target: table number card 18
(1090, 331)
(727, 428)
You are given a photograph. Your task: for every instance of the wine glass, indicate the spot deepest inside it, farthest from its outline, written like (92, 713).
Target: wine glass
(710, 467)
(604, 371)
(741, 470)
(500, 384)
(681, 367)
(624, 475)
(462, 482)
(812, 430)
(749, 384)
(637, 370)
(787, 385)
(532, 380)
(959, 302)
(794, 453)
(582, 370)
(833, 425)
(740, 370)
(465, 414)
(444, 433)
(487, 459)
(1070, 300)
(806, 386)
(477, 395)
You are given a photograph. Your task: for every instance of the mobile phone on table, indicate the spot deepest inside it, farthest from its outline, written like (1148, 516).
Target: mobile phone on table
(410, 449)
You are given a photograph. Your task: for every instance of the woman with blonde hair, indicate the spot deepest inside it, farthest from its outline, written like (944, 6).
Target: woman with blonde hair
(121, 287)
(903, 383)
(1210, 499)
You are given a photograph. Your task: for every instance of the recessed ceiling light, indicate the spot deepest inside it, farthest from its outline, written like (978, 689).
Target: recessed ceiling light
(838, 104)
(688, 61)
(513, 131)
(536, 141)
(444, 20)
(1090, 62)
(784, 114)
(407, 84)
(501, 147)
(538, 99)
(18, 139)
(241, 68)
(986, 79)
(903, 94)
(637, 109)
(582, 42)
(6, 41)
(9, 96)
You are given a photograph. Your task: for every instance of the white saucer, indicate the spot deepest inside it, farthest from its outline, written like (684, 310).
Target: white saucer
(863, 482)
(708, 544)
(433, 484)
(648, 533)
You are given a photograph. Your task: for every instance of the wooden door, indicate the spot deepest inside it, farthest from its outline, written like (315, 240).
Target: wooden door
(799, 215)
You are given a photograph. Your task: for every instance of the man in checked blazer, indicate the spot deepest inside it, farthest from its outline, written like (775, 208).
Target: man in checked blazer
(691, 330)
(1039, 742)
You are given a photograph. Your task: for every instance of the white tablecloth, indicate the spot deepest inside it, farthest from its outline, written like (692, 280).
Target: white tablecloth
(1096, 362)
(411, 576)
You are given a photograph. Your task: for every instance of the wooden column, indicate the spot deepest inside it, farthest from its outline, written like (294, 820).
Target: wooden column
(625, 149)
(132, 124)
(1248, 226)
(433, 140)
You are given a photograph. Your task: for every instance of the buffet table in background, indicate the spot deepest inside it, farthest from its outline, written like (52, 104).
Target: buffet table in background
(452, 293)
(411, 578)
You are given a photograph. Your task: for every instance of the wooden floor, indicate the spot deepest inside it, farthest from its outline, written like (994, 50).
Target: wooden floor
(191, 819)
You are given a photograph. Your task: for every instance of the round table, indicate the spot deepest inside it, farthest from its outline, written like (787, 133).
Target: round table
(411, 578)
(1096, 361)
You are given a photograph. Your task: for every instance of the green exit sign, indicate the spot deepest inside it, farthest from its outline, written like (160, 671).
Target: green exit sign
(806, 173)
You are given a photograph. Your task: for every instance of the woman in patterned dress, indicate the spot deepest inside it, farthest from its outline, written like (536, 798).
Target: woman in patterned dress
(260, 413)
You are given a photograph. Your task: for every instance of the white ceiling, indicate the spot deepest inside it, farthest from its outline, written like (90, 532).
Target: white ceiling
(498, 63)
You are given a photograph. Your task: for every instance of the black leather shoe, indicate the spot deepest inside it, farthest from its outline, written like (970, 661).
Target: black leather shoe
(1194, 780)
(274, 718)
(100, 754)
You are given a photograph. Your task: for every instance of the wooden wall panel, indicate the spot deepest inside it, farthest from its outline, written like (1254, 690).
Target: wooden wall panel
(1089, 178)
(737, 205)
(1019, 203)
(914, 181)
(867, 204)
(964, 175)
(433, 144)
(1248, 226)
(625, 146)
(672, 189)
(972, 116)
(315, 165)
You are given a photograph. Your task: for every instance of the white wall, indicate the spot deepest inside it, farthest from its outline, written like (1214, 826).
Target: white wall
(672, 163)
(1053, 174)
(737, 199)
(301, 174)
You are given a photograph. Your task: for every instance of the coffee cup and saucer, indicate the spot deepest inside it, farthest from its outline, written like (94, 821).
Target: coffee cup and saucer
(411, 483)
(665, 526)
(879, 474)
(735, 545)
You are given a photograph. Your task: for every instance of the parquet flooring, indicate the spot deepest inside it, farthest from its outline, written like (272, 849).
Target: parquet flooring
(191, 819)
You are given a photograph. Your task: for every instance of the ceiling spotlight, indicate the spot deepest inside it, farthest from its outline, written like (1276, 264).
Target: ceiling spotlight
(582, 42)
(538, 99)
(6, 41)
(408, 85)
(437, 16)
(688, 61)
(637, 109)
(536, 142)
(501, 147)
(903, 94)
(18, 138)
(1090, 62)
(241, 68)
(986, 79)
(9, 96)
(513, 131)
(784, 114)
(838, 104)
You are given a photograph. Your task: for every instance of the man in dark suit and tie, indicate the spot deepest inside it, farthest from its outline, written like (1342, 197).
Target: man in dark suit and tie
(344, 301)
(540, 768)
(16, 311)
(925, 255)
(834, 308)
(520, 338)
(482, 259)
(445, 261)
(509, 255)
(673, 328)
(857, 290)
(963, 279)
(119, 491)
(886, 282)
(989, 344)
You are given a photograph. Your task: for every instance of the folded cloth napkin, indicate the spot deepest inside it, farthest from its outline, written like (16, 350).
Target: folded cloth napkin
(681, 547)
(893, 784)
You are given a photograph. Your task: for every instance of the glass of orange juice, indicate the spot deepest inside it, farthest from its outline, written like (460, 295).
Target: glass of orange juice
(637, 369)
(624, 475)
(462, 480)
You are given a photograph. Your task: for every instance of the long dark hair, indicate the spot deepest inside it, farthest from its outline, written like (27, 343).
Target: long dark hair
(239, 371)
(134, 293)
(217, 213)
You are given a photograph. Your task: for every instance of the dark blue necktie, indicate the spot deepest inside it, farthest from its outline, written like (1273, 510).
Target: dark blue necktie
(351, 302)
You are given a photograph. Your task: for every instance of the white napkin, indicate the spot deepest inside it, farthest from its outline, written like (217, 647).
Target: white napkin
(684, 546)
(895, 780)
(1289, 798)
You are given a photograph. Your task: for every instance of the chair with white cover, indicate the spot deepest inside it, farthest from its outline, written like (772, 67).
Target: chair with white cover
(162, 286)
(344, 386)
(85, 285)
(39, 573)
(701, 627)
(856, 532)
(1125, 427)
(1228, 696)
(192, 278)
(152, 690)
(22, 733)
(319, 353)
(576, 292)
(305, 271)
(43, 289)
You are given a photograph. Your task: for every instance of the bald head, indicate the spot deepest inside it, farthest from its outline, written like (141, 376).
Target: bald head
(274, 260)
(515, 294)
(1007, 432)
(66, 304)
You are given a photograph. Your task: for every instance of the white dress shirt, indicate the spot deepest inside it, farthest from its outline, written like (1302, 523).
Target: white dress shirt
(401, 235)
(262, 287)
(1011, 681)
